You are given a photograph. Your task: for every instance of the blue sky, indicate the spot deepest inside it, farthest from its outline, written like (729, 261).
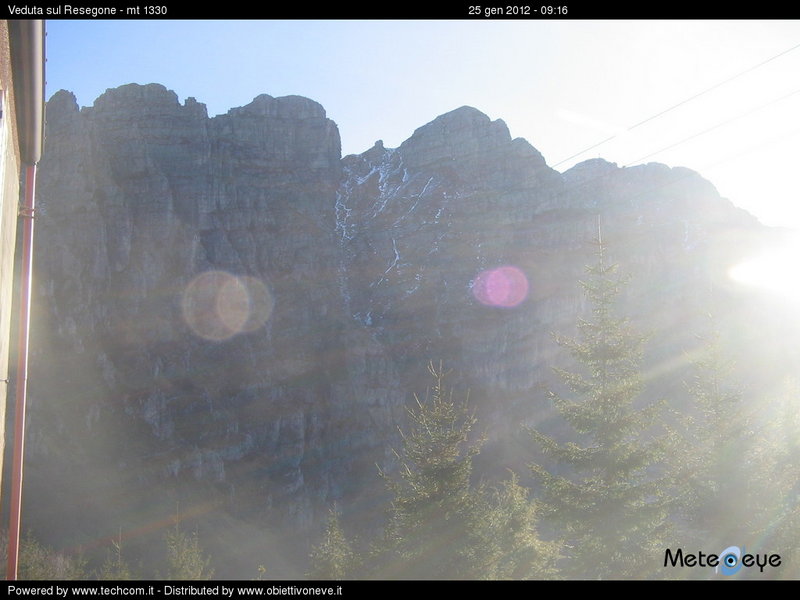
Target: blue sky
(562, 85)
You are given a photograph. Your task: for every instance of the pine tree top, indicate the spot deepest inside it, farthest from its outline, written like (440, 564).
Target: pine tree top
(604, 494)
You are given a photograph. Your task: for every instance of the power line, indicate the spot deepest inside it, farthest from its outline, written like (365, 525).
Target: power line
(717, 126)
(681, 103)
(784, 135)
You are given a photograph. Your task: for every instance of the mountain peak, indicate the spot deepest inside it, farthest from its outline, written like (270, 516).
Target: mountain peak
(467, 141)
(462, 135)
(463, 113)
(464, 121)
(284, 107)
(151, 93)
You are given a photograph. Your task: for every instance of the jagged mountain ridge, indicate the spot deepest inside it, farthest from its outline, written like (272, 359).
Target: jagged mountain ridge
(370, 263)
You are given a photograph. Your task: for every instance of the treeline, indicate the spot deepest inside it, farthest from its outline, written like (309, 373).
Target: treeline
(185, 559)
(632, 479)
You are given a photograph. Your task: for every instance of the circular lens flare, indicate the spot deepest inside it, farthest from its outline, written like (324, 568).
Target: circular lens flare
(504, 287)
(260, 303)
(217, 305)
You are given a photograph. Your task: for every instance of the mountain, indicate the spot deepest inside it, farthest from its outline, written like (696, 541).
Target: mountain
(231, 317)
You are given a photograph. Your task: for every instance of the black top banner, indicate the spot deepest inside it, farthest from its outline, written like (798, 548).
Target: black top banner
(583, 9)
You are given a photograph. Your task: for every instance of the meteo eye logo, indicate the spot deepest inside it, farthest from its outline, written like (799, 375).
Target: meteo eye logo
(728, 562)
(731, 561)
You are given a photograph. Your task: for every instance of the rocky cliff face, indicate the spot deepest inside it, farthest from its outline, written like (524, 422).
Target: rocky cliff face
(226, 305)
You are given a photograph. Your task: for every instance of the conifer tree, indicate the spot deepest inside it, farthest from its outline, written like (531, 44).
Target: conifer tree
(440, 524)
(738, 465)
(185, 557)
(115, 567)
(710, 459)
(334, 557)
(431, 529)
(771, 471)
(40, 562)
(605, 494)
(512, 548)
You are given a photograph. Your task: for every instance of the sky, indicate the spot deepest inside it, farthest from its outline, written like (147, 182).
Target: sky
(719, 97)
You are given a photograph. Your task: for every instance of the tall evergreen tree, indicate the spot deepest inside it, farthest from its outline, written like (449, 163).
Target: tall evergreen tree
(738, 465)
(431, 529)
(443, 526)
(773, 473)
(604, 493)
(440, 524)
(715, 437)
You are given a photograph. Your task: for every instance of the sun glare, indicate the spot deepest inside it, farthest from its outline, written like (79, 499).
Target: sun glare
(776, 270)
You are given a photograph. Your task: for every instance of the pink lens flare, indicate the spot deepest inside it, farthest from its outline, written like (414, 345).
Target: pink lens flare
(505, 287)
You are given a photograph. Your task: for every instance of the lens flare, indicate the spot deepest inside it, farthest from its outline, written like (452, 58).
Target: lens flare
(504, 287)
(217, 305)
(260, 303)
